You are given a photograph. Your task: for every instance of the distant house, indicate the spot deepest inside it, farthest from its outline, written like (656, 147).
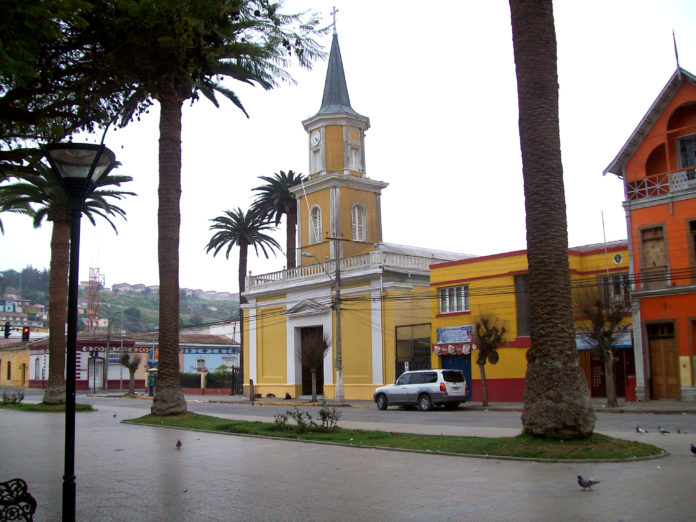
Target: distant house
(121, 287)
(153, 289)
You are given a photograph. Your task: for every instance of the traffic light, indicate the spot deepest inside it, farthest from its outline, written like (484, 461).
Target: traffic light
(7, 329)
(25, 333)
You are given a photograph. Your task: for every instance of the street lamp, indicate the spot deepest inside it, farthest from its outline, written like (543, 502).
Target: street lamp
(338, 390)
(77, 166)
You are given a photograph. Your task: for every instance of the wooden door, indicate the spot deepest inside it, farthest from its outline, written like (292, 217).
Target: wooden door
(664, 368)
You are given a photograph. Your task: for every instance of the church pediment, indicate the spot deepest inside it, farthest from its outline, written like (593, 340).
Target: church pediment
(308, 307)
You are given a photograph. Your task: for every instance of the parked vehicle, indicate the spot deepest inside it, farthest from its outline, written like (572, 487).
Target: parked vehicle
(425, 389)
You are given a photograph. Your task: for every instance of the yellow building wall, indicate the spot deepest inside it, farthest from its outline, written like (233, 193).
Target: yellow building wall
(356, 340)
(271, 343)
(18, 361)
(334, 148)
(320, 198)
(401, 308)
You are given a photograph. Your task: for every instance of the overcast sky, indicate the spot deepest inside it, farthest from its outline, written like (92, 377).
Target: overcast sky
(438, 84)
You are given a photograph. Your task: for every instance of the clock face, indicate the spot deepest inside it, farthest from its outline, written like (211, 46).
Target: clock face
(315, 138)
(618, 258)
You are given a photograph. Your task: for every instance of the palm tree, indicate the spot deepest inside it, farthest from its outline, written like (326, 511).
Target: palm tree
(175, 51)
(236, 228)
(556, 398)
(45, 198)
(275, 200)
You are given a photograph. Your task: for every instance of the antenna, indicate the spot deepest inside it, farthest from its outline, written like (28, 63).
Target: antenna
(676, 54)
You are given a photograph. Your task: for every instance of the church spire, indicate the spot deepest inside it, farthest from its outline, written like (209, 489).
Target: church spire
(336, 99)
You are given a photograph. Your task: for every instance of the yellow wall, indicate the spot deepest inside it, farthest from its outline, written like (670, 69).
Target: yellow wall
(271, 343)
(356, 340)
(334, 147)
(18, 359)
(401, 308)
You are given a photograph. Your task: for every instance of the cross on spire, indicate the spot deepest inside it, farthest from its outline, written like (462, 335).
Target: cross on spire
(333, 12)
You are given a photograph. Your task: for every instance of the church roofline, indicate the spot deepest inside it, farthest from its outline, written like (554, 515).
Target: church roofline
(333, 178)
(656, 109)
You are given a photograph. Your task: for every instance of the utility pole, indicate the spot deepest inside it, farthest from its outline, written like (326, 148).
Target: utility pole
(339, 395)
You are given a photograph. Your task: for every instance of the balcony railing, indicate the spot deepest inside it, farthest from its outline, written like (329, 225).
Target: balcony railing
(374, 259)
(661, 184)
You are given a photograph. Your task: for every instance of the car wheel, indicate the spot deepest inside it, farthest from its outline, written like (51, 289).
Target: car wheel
(382, 402)
(425, 402)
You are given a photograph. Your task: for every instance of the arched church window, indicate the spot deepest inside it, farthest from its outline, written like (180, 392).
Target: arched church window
(315, 225)
(359, 223)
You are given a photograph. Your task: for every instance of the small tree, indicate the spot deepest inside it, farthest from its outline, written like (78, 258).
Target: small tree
(598, 322)
(132, 364)
(314, 347)
(489, 334)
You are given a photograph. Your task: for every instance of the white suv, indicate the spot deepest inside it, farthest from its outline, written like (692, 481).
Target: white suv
(424, 388)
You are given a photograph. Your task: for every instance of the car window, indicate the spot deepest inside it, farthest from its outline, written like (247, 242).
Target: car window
(404, 379)
(430, 377)
(453, 376)
(417, 378)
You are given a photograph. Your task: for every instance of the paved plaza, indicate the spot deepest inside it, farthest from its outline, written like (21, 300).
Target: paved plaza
(135, 473)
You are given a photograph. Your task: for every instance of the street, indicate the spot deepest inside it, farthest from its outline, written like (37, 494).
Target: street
(126, 472)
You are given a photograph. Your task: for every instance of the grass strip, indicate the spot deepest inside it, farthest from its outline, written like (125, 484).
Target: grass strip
(596, 447)
(41, 406)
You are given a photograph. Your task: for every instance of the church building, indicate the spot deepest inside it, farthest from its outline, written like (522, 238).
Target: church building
(370, 299)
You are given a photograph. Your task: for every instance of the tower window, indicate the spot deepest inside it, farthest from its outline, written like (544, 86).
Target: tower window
(359, 223)
(315, 225)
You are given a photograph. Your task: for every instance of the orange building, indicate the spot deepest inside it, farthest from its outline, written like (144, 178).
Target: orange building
(658, 167)
(498, 286)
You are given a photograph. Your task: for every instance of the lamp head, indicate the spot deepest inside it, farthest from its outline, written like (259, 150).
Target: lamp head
(78, 166)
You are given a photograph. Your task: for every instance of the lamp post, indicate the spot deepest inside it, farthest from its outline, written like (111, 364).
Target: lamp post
(77, 166)
(338, 390)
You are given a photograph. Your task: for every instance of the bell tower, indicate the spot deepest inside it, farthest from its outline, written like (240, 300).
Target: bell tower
(338, 201)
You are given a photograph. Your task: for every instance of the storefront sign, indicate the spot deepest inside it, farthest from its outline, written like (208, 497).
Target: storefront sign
(455, 334)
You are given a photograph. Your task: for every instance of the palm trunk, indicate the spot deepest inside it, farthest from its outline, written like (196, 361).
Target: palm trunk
(131, 384)
(243, 252)
(169, 399)
(57, 304)
(556, 398)
(484, 388)
(609, 383)
(290, 235)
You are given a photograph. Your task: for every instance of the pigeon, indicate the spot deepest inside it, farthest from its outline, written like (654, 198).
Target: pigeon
(640, 430)
(178, 444)
(662, 430)
(587, 483)
(693, 449)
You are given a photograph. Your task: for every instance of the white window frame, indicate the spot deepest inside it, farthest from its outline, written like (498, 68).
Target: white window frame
(315, 225)
(358, 218)
(454, 299)
(200, 363)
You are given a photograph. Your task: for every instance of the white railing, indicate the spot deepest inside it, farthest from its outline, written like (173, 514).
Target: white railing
(661, 184)
(374, 259)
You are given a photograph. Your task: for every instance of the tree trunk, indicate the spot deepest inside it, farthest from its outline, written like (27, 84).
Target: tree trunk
(57, 304)
(243, 252)
(556, 398)
(290, 235)
(609, 383)
(131, 384)
(484, 388)
(314, 385)
(169, 399)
